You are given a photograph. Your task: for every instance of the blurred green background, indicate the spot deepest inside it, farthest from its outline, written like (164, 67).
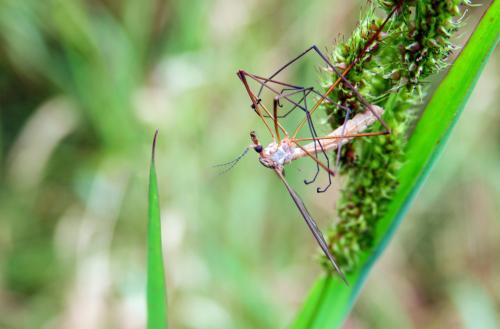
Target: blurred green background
(83, 86)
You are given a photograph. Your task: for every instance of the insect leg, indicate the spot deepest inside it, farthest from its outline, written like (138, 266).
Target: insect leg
(255, 102)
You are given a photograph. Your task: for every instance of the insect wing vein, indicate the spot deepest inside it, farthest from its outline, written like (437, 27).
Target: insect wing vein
(312, 225)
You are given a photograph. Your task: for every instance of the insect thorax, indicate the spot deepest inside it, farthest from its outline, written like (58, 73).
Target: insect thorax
(277, 155)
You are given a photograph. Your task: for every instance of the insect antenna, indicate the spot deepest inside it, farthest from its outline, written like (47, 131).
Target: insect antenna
(229, 165)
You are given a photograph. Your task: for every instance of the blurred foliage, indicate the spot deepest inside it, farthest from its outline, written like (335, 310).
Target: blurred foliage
(83, 86)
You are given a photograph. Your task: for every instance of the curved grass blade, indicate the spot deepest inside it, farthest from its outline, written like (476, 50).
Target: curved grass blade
(330, 301)
(156, 292)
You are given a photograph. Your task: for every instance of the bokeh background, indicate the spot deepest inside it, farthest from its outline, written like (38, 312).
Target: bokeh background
(83, 86)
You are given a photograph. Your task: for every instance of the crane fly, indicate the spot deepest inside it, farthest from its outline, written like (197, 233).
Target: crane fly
(286, 147)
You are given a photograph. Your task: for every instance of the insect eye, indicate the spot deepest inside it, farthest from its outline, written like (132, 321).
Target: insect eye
(258, 148)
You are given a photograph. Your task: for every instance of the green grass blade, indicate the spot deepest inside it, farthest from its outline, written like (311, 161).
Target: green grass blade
(156, 292)
(330, 301)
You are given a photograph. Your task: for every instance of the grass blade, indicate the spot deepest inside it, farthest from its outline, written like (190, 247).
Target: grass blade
(156, 292)
(330, 301)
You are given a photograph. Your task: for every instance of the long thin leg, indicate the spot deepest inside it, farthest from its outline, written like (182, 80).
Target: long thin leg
(323, 151)
(309, 121)
(254, 100)
(294, 92)
(318, 147)
(242, 75)
(347, 83)
(314, 134)
(339, 145)
(351, 128)
(377, 133)
(349, 67)
(326, 146)
(354, 90)
(316, 106)
(256, 103)
(312, 130)
(297, 104)
(322, 165)
(282, 68)
(275, 91)
(263, 82)
(275, 118)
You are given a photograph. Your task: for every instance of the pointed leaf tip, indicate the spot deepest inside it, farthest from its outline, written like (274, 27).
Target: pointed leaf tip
(153, 149)
(155, 286)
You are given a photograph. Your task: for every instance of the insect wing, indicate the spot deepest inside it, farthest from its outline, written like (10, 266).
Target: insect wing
(312, 225)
